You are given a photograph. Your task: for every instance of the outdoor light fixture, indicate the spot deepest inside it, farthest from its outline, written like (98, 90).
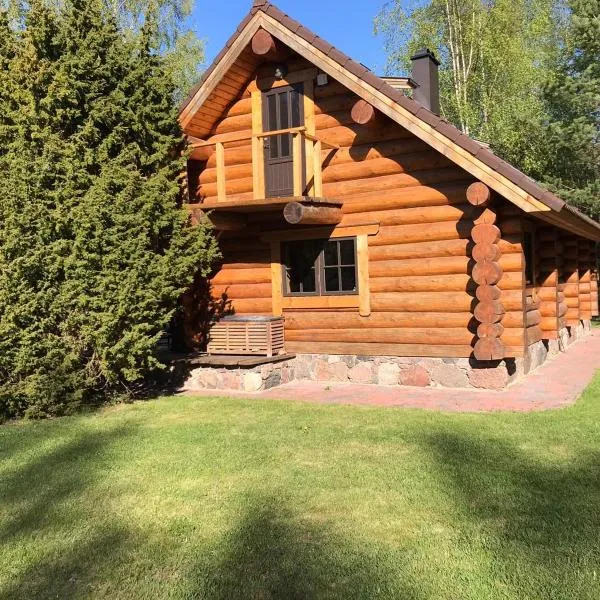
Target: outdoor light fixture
(281, 71)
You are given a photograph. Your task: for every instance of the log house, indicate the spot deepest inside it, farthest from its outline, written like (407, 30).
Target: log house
(370, 225)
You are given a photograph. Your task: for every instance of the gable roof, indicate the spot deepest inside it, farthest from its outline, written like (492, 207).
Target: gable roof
(469, 154)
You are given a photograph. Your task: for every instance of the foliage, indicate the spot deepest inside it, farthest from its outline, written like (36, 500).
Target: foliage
(181, 47)
(229, 499)
(94, 250)
(572, 135)
(495, 58)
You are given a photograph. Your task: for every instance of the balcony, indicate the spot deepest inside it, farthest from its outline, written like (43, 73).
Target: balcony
(303, 203)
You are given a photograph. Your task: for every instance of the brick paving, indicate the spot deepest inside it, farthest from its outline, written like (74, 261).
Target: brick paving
(557, 383)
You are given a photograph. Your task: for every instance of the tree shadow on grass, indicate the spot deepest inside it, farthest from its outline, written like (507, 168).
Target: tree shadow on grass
(273, 554)
(44, 503)
(540, 518)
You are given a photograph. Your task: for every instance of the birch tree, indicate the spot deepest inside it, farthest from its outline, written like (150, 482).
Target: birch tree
(495, 54)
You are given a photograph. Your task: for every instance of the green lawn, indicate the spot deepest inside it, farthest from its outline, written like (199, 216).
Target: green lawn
(229, 499)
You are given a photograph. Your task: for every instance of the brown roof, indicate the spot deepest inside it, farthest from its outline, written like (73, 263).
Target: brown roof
(448, 130)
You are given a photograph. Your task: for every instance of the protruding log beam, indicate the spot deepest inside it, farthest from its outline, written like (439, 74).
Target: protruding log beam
(363, 112)
(487, 273)
(267, 47)
(489, 348)
(222, 221)
(296, 213)
(478, 194)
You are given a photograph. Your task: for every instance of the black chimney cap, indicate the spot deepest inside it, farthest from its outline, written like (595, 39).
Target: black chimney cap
(423, 53)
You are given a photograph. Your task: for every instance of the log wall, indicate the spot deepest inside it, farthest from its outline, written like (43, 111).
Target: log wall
(422, 293)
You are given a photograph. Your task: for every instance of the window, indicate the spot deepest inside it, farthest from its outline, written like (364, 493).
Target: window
(320, 267)
(529, 251)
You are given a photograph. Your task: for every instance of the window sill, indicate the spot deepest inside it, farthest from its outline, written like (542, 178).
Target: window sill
(340, 301)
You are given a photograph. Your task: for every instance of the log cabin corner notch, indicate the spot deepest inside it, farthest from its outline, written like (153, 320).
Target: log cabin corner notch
(368, 223)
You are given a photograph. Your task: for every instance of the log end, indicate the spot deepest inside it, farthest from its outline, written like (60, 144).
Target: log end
(488, 348)
(478, 194)
(363, 112)
(263, 43)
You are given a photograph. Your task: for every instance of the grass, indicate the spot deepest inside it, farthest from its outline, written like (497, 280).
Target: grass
(240, 499)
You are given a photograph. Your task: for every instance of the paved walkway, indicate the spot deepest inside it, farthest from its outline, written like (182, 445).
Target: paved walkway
(557, 383)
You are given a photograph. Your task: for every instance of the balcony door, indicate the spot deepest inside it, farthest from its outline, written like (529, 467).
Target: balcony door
(282, 109)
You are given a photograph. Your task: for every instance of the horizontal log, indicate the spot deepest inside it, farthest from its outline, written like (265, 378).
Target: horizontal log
(353, 134)
(244, 291)
(366, 349)
(431, 302)
(425, 283)
(442, 336)
(367, 152)
(240, 124)
(489, 349)
(240, 155)
(307, 320)
(413, 216)
(395, 197)
(446, 265)
(403, 234)
(348, 190)
(259, 306)
(378, 167)
(232, 186)
(478, 193)
(299, 214)
(234, 276)
(232, 172)
(344, 101)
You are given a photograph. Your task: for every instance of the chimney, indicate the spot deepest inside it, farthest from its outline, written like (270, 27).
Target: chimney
(425, 74)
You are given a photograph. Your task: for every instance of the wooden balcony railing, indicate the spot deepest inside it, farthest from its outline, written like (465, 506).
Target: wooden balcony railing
(307, 150)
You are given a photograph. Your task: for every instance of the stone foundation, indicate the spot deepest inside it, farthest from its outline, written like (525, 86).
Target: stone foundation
(385, 370)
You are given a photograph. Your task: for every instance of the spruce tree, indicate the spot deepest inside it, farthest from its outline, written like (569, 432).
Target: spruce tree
(95, 251)
(572, 140)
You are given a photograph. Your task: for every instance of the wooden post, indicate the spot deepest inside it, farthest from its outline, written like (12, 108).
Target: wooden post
(317, 170)
(298, 164)
(221, 184)
(364, 292)
(258, 153)
(311, 129)
(276, 279)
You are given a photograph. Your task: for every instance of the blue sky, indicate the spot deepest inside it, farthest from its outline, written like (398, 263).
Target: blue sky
(347, 24)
